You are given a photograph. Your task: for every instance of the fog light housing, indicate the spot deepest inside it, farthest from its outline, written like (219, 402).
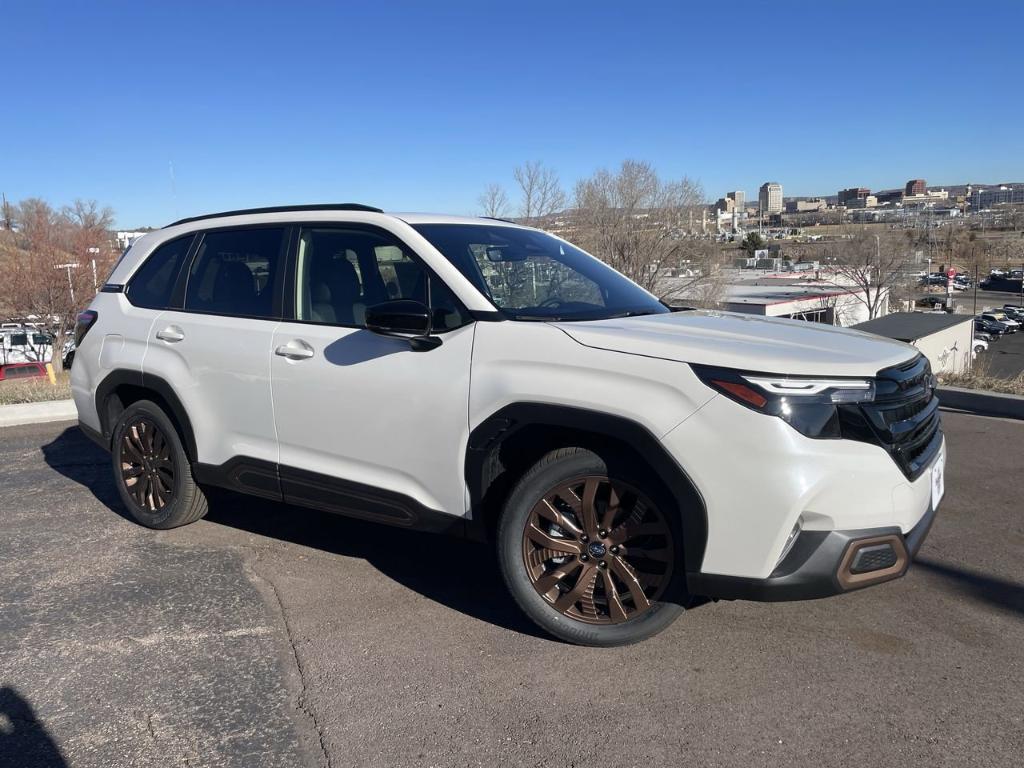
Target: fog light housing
(792, 539)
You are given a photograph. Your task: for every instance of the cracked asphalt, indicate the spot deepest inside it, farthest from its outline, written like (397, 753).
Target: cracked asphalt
(267, 635)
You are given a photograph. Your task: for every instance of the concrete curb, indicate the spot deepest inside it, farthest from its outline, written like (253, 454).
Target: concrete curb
(37, 413)
(982, 402)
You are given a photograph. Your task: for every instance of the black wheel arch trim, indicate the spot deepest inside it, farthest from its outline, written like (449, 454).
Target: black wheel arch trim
(124, 377)
(506, 422)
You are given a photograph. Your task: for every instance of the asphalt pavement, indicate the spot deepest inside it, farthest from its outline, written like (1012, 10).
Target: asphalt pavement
(267, 635)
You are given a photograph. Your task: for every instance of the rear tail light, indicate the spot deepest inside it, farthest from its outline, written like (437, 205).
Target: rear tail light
(83, 324)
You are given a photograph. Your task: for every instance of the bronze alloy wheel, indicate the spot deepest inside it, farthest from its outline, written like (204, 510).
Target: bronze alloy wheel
(147, 465)
(598, 550)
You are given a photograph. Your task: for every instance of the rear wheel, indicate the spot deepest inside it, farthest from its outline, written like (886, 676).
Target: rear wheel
(590, 554)
(152, 471)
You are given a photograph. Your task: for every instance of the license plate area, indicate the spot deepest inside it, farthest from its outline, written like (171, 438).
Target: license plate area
(938, 477)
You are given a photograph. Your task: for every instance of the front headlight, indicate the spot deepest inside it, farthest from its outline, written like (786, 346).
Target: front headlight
(809, 404)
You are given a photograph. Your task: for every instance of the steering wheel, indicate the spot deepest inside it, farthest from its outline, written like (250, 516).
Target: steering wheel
(551, 303)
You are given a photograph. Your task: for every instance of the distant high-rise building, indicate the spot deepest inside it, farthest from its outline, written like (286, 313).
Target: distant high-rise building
(769, 198)
(915, 187)
(739, 197)
(852, 195)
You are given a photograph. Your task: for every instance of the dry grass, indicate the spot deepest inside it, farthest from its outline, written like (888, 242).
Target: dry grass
(981, 377)
(35, 390)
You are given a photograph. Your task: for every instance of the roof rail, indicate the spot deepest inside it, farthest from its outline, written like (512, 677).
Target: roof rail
(282, 209)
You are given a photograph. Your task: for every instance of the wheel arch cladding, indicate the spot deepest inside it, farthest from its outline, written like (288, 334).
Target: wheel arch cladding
(120, 388)
(510, 440)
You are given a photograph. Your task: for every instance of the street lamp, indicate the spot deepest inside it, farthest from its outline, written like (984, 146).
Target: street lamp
(71, 286)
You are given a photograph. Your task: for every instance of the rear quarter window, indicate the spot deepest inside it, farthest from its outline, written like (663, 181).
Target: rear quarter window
(151, 286)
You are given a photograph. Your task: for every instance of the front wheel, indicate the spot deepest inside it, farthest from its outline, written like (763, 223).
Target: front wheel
(152, 470)
(591, 554)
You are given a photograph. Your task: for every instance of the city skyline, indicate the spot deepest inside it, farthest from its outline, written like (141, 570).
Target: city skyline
(419, 108)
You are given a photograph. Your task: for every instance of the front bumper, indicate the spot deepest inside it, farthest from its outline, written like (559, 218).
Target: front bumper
(822, 564)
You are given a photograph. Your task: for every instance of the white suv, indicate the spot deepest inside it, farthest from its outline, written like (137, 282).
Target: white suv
(479, 377)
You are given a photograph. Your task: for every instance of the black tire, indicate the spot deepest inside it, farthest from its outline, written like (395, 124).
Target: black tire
(175, 499)
(554, 470)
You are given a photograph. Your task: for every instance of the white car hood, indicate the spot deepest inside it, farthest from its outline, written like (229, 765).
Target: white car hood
(748, 342)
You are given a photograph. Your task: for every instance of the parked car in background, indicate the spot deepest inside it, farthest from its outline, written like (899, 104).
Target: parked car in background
(1012, 326)
(20, 371)
(68, 357)
(1014, 314)
(979, 345)
(991, 327)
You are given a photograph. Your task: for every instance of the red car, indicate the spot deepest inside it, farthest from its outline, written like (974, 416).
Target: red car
(13, 371)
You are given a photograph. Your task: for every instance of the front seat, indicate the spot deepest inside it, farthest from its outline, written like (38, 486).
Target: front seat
(342, 283)
(321, 308)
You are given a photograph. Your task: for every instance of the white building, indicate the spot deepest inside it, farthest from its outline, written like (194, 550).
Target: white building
(770, 197)
(945, 339)
(815, 302)
(124, 239)
(739, 197)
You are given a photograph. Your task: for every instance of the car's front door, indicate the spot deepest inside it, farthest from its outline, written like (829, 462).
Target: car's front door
(367, 425)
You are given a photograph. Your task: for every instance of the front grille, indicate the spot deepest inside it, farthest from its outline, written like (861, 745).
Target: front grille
(903, 418)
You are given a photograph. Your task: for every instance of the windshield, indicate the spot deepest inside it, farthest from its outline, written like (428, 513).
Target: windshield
(530, 275)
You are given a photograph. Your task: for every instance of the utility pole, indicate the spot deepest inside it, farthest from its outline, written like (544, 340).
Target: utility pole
(93, 252)
(976, 289)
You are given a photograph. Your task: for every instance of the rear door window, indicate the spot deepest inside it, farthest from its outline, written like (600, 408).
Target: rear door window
(235, 272)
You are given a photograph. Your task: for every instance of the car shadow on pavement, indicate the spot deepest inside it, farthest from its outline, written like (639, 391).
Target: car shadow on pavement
(458, 573)
(77, 458)
(1007, 595)
(24, 741)
(455, 572)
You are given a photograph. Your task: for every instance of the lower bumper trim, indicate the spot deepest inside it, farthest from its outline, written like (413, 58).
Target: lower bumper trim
(819, 565)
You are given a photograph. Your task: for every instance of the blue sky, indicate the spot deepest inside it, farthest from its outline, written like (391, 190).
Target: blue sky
(417, 106)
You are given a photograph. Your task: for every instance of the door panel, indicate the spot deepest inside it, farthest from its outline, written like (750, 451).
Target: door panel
(220, 367)
(216, 350)
(365, 424)
(367, 409)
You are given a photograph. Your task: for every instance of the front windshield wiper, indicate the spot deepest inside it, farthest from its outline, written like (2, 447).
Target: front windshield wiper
(628, 313)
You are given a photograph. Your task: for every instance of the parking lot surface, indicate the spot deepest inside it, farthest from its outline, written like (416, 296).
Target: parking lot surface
(1005, 357)
(266, 635)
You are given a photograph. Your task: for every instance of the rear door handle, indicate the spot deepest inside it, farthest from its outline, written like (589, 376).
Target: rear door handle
(171, 333)
(296, 349)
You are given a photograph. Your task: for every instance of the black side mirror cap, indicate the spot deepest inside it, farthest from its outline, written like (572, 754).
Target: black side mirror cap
(406, 319)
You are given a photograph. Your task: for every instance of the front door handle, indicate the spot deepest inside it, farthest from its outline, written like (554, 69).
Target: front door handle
(171, 333)
(295, 350)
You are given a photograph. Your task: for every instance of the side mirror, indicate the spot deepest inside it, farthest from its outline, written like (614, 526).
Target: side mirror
(403, 318)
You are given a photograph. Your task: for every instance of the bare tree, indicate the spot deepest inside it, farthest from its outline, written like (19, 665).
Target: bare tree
(541, 190)
(874, 268)
(47, 262)
(639, 224)
(494, 202)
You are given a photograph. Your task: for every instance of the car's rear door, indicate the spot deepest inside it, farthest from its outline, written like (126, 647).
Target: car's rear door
(213, 347)
(366, 425)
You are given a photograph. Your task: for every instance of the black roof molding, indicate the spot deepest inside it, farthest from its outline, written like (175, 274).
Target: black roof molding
(282, 209)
